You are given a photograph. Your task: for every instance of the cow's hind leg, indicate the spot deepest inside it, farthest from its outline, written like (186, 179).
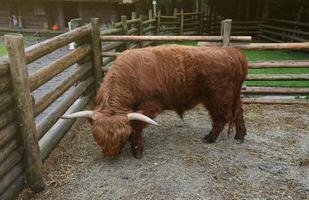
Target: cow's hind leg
(217, 128)
(240, 125)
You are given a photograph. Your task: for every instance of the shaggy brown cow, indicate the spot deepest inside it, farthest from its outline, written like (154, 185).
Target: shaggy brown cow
(144, 82)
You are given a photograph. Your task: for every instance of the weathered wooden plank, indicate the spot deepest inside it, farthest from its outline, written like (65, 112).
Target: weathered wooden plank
(125, 29)
(181, 22)
(6, 100)
(275, 101)
(5, 83)
(150, 21)
(7, 149)
(54, 135)
(111, 31)
(7, 133)
(171, 38)
(13, 187)
(7, 179)
(277, 77)
(276, 90)
(51, 96)
(9, 162)
(22, 96)
(227, 27)
(48, 72)
(280, 64)
(268, 46)
(47, 46)
(7, 116)
(284, 29)
(111, 46)
(96, 51)
(50, 119)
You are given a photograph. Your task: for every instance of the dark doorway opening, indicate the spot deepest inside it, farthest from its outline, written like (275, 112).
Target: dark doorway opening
(70, 11)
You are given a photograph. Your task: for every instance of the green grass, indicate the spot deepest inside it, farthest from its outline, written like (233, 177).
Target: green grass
(257, 56)
(2, 50)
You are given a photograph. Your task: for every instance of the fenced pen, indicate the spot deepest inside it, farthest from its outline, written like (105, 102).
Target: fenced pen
(24, 144)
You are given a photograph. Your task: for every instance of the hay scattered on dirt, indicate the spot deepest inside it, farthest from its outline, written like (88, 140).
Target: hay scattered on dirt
(272, 163)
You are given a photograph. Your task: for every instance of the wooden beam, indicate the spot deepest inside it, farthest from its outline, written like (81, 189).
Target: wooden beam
(48, 72)
(181, 22)
(171, 38)
(50, 119)
(275, 101)
(276, 90)
(124, 29)
(278, 77)
(96, 51)
(36, 51)
(227, 28)
(54, 135)
(280, 64)
(21, 91)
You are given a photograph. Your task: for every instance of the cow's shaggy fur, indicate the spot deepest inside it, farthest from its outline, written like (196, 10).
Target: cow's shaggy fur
(177, 78)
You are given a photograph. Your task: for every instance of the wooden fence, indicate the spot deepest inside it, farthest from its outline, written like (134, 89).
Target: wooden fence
(24, 144)
(273, 30)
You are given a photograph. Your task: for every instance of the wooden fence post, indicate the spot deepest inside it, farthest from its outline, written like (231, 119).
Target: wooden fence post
(227, 32)
(96, 51)
(73, 24)
(141, 30)
(125, 29)
(133, 16)
(22, 95)
(181, 21)
(150, 16)
(222, 28)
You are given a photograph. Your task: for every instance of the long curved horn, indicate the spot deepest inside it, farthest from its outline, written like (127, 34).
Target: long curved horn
(82, 114)
(141, 117)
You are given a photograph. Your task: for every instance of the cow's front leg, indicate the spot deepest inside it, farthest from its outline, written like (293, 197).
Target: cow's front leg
(137, 144)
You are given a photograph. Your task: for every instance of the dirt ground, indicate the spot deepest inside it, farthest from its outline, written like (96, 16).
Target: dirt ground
(272, 163)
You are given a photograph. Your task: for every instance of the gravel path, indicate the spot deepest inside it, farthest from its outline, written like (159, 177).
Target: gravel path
(272, 163)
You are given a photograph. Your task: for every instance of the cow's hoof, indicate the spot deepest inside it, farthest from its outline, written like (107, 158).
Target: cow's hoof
(138, 152)
(239, 140)
(208, 140)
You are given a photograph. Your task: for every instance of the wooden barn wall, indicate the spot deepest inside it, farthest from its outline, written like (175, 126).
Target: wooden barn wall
(4, 15)
(33, 17)
(107, 12)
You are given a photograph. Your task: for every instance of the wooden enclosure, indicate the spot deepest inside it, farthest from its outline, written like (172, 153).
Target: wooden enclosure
(24, 144)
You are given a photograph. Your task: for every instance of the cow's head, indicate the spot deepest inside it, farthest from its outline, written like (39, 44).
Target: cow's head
(110, 131)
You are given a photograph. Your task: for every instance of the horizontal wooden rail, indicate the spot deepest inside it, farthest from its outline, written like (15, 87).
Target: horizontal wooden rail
(52, 117)
(48, 72)
(107, 61)
(6, 100)
(111, 31)
(51, 96)
(7, 117)
(284, 35)
(39, 50)
(171, 38)
(112, 46)
(285, 29)
(275, 101)
(54, 135)
(7, 149)
(264, 46)
(110, 54)
(5, 84)
(280, 64)
(289, 22)
(148, 29)
(150, 21)
(276, 90)
(192, 13)
(289, 77)
(12, 159)
(8, 178)
(7, 133)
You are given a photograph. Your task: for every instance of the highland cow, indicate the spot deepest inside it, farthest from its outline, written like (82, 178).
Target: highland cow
(144, 82)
